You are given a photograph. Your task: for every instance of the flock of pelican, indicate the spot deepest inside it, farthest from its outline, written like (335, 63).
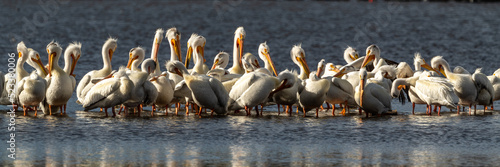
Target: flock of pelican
(368, 83)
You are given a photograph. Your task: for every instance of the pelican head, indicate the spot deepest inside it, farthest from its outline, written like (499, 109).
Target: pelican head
(176, 67)
(190, 50)
(321, 68)
(247, 66)
(156, 43)
(373, 50)
(252, 60)
(148, 65)
(174, 38)
(239, 37)
(71, 56)
(350, 54)
(35, 61)
(264, 56)
(287, 79)
(221, 60)
(136, 56)
(108, 49)
(439, 64)
(54, 51)
(22, 51)
(299, 58)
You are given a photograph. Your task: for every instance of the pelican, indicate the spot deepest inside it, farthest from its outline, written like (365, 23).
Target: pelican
(464, 86)
(264, 56)
(239, 37)
(31, 89)
(174, 37)
(197, 43)
(298, 57)
(85, 83)
(340, 92)
(165, 88)
(136, 56)
(371, 97)
(314, 93)
(109, 92)
(154, 50)
(495, 81)
(143, 91)
(289, 95)
(485, 90)
(350, 54)
(207, 92)
(23, 56)
(71, 56)
(460, 70)
(59, 88)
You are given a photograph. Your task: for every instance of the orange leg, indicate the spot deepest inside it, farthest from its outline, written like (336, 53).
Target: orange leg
(106, 111)
(413, 108)
(50, 109)
(24, 109)
(304, 110)
(317, 112)
(152, 110)
(439, 111)
(36, 110)
(187, 108)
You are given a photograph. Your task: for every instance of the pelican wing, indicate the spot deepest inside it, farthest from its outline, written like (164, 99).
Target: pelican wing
(381, 94)
(482, 82)
(344, 85)
(151, 93)
(101, 90)
(436, 92)
(220, 91)
(81, 85)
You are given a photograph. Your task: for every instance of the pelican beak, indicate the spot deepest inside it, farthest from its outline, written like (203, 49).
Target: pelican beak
(368, 59)
(131, 60)
(333, 68)
(240, 47)
(282, 86)
(40, 64)
(215, 63)
(178, 72)
(202, 52)
(153, 79)
(268, 57)
(177, 47)
(442, 71)
(155, 52)
(319, 71)
(111, 51)
(51, 62)
(256, 64)
(20, 54)
(303, 63)
(428, 67)
(356, 56)
(188, 56)
(340, 73)
(401, 87)
(74, 60)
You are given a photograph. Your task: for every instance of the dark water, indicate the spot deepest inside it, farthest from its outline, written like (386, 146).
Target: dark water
(465, 34)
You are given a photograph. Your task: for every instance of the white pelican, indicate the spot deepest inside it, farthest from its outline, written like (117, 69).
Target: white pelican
(298, 57)
(136, 56)
(143, 91)
(371, 97)
(495, 81)
(207, 92)
(314, 93)
(174, 37)
(23, 56)
(340, 92)
(182, 94)
(289, 95)
(154, 50)
(71, 56)
(85, 83)
(350, 54)
(464, 86)
(59, 88)
(264, 56)
(197, 42)
(31, 89)
(165, 88)
(403, 70)
(486, 92)
(109, 92)
(374, 50)
(239, 37)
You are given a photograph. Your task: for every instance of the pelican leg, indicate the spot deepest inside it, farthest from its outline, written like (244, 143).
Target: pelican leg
(100, 110)
(458, 109)
(120, 111)
(333, 107)
(246, 110)
(24, 110)
(278, 109)
(328, 106)
(36, 110)
(413, 108)
(485, 108)
(475, 109)
(256, 110)
(261, 109)
(288, 107)
(435, 107)
(187, 108)
(61, 108)
(470, 109)
(153, 110)
(285, 108)
(366, 114)
(14, 106)
(113, 110)
(199, 112)
(317, 112)
(177, 108)
(304, 110)
(297, 109)
(50, 109)
(139, 110)
(106, 111)
(166, 109)
(492, 107)
(439, 111)
(360, 113)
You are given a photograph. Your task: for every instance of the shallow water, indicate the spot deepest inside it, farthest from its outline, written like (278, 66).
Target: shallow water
(465, 34)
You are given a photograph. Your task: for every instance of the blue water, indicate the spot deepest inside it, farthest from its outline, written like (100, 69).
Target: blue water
(465, 34)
